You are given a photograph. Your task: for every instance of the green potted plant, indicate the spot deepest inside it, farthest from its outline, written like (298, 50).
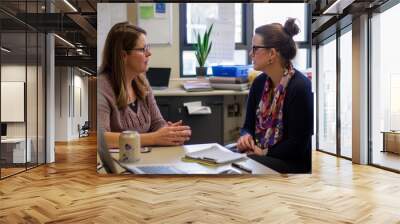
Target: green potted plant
(202, 49)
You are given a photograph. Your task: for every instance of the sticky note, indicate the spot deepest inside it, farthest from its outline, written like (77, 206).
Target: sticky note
(146, 12)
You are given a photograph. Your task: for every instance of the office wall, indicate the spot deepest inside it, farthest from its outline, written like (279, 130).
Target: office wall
(15, 72)
(107, 15)
(71, 102)
(164, 55)
(92, 107)
(81, 111)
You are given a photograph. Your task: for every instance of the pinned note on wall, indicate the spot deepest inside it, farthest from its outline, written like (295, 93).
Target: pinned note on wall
(156, 19)
(146, 11)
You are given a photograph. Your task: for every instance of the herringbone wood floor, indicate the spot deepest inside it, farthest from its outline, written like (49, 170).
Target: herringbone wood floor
(70, 191)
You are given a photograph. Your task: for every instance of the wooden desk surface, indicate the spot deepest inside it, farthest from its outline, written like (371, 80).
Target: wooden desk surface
(173, 156)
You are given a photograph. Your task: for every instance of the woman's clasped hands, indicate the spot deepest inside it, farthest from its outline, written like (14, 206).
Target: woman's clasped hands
(172, 134)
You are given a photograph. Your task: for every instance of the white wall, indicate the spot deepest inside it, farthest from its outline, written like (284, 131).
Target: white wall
(34, 124)
(67, 116)
(61, 103)
(107, 15)
(14, 72)
(17, 73)
(159, 52)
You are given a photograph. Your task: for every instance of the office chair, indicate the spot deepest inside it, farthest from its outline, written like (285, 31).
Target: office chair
(105, 155)
(84, 130)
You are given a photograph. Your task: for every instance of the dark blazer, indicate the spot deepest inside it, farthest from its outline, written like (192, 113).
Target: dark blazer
(293, 153)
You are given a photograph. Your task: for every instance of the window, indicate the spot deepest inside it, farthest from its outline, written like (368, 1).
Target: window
(346, 94)
(278, 13)
(385, 85)
(301, 60)
(199, 15)
(198, 18)
(327, 96)
(22, 65)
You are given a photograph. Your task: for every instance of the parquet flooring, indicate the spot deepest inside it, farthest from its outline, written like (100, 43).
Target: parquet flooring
(70, 191)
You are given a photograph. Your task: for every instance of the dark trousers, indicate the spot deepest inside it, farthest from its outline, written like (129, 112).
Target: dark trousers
(273, 163)
(282, 166)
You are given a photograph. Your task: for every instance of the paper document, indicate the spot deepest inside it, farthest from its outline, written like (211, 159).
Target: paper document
(216, 154)
(196, 107)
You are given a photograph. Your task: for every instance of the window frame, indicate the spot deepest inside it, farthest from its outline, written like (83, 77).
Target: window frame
(333, 33)
(379, 10)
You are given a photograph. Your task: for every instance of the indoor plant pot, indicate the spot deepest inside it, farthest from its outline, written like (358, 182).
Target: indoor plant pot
(201, 71)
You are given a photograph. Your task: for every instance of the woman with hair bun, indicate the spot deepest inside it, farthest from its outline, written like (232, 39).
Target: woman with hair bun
(279, 118)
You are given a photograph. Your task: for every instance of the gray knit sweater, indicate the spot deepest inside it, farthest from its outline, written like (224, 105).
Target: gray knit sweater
(147, 118)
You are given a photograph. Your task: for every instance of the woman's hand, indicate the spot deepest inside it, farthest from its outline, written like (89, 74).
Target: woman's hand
(256, 150)
(178, 123)
(245, 143)
(172, 135)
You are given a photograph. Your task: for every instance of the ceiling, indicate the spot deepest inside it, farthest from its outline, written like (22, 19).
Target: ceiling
(74, 21)
(330, 15)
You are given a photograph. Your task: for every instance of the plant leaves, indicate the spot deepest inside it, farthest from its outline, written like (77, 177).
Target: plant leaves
(203, 46)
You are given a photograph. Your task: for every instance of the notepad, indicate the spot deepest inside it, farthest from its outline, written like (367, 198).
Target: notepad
(215, 154)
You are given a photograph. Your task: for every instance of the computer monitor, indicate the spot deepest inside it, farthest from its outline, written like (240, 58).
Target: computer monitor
(3, 129)
(158, 77)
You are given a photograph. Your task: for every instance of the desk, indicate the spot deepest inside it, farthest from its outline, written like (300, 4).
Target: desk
(391, 141)
(173, 156)
(214, 127)
(181, 92)
(13, 150)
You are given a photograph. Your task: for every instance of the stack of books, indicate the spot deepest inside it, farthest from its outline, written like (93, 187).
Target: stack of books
(197, 86)
(230, 83)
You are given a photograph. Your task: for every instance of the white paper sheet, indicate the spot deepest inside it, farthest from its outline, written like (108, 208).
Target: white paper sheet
(196, 107)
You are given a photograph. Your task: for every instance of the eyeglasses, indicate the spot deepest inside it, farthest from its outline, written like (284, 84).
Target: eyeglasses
(254, 48)
(145, 49)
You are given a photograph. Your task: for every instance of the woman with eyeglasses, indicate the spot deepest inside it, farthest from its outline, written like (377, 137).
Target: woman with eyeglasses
(126, 101)
(279, 118)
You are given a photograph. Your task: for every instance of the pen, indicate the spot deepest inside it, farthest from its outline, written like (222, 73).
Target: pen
(237, 165)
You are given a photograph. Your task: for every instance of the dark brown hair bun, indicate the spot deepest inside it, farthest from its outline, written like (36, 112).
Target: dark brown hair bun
(291, 27)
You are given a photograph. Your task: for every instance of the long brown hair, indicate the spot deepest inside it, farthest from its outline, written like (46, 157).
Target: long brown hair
(281, 38)
(122, 37)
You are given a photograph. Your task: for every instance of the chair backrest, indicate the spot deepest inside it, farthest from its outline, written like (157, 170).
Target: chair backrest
(86, 125)
(104, 154)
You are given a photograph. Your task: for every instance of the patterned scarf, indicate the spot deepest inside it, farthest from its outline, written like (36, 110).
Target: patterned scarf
(269, 124)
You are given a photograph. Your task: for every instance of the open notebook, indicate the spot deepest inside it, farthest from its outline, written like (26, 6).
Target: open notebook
(215, 154)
